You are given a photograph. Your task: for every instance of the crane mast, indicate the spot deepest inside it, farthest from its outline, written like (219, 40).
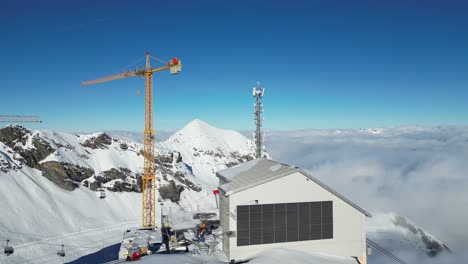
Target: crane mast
(149, 167)
(149, 175)
(18, 118)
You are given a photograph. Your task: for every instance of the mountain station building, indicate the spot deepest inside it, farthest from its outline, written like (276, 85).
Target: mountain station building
(266, 204)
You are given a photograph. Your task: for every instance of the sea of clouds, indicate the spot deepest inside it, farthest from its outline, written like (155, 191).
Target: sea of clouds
(417, 172)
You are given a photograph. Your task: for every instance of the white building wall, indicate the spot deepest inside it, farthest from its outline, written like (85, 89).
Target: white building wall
(224, 217)
(348, 223)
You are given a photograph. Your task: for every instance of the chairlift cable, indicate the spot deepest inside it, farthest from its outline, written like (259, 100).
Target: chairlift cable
(385, 252)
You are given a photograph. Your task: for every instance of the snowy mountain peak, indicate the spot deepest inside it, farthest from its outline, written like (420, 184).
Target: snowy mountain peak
(200, 128)
(396, 232)
(198, 135)
(208, 149)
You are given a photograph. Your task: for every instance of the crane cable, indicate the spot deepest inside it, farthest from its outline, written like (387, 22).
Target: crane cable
(57, 258)
(126, 68)
(158, 59)
(74, 233)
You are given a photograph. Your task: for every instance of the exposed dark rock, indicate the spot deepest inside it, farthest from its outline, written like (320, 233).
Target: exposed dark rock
(99, 142)
(68, 146)
(433, 247)
(101, 178)
(123, 146)
(114, 174)
(179, 158)
(65, 175)
(120, 186)
(232, 164)
(181, 178)
(95, 185)
(10, 135)
(32, 157)
(246, 158)
(401, 221)
(139, 182)
(165, 160)
(171, 191)
(125, 170)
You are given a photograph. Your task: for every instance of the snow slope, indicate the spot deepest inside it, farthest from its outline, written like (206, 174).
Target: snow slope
(268, 257)
(38, 215)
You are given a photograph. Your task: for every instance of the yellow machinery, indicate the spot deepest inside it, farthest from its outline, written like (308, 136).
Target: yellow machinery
(18, 118)
(149, 175)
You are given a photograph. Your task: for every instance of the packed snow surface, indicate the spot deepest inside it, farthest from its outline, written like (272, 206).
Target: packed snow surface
(268, 257)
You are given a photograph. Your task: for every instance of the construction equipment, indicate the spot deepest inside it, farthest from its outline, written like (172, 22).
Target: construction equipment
(18, 118)
(149, 176)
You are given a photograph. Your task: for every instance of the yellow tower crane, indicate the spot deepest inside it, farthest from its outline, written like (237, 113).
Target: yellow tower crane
(19, 118)
(149, 175)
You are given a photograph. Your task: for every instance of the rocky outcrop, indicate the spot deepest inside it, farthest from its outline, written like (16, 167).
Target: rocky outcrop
(121, 180)
(171, 191)
(11, 135)
(123, 146)
(181, 178)
(16, 138)
(65, 175)
(239, 159)
(99, 142)
(121, 186)
(432, 246)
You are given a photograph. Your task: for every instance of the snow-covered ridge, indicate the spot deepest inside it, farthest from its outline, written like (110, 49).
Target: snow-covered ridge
(399, 234)
(203, 148)
(48, 181)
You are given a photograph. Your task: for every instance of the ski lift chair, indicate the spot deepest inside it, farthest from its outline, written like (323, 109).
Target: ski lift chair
(61, 252)
(8, 249)
(102, 193)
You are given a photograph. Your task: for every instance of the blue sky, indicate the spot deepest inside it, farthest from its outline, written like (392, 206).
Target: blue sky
(325, 64)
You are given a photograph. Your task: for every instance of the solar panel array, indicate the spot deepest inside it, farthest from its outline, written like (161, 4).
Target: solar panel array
(285, 222)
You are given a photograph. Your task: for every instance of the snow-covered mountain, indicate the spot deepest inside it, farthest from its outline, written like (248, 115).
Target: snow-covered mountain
(208, 149)
(403, 238)
(48, 183)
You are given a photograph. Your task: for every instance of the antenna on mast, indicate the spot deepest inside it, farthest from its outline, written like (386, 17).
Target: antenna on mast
(258, 93)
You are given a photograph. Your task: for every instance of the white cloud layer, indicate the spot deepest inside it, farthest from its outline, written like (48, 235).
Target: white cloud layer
(417, 172)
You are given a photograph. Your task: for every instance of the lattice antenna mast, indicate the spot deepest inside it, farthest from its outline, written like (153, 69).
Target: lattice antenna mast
(258, 93)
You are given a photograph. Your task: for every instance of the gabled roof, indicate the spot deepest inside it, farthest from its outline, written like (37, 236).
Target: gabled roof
(259, 171)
